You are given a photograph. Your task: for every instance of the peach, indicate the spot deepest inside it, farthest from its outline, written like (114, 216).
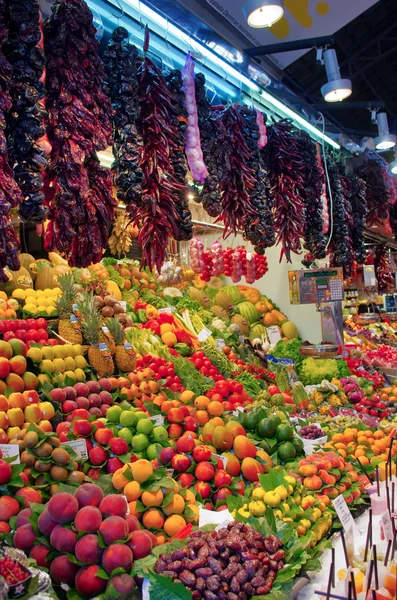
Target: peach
(185, 444)
(18, 365)
(175, 431)
(45, 523)
(132, 522)
(47, 409)
(31, 396)
(88, 519)
(13, 432)
(45, 426)
(18, 347)
(63, 571)
(4, 420)
(33, 414)
(82, 427)
(185, 480)
(244, 447)
(59, 395)
(222, 478)
(15, 382)
(82, 389)
(307, 470)
(203, 488)
(5, 367)
(63, 507)
(124, 584)
(117, 556)
(3, 436)
(89, 494)
(166, 455)
(5, 349)
(87, 582)
(30, 380)
(88, 550)
(140, 543)
(103, 436)
(98, 455)
(24, 538)
(17, 400)
(312, 483)
(4, 406)
(251, 469)
(39, 554)
(23, 517)
(222, 439)
(113, 505)
(105, 384)
(206, 433)
(63, 539)
(221, 494)
(331, 492)
(118, 446)
(9, 507)
(29, 495)
(180, 463)
(204, 471)
(327, 478)
(113, 529)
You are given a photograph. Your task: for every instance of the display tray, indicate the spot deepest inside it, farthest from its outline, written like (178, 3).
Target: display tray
(367, 319)
(319, 350)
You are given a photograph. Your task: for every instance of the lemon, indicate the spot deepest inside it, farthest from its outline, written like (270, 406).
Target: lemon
(30, 292)
(56, 291)
(19, 294)
(30, 308)
(70, 363)
(51, 311)
(40, 293)
(68, 350)
(258, 493)
(79, 374)
(78, 350)
(43, 378)
(59, 365)
(80, 361)
(42, 308)
(58, 351)
(72, 375)
(47, 366)
(48, 352)
(35, 354)
(59, 378)
(47, 292)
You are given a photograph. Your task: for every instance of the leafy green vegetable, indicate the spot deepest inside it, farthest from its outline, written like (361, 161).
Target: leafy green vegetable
(218, 359)
(290, 350)
(191, 378)
(251, 385)
(315, 371)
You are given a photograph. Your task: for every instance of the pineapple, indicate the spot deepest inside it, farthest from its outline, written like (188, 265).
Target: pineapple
(123, 359)
(91, 325)
(65, 310)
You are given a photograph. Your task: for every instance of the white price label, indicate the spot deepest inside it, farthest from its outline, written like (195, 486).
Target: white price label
(223, 459)
(239, 409)
(273, 333)
(158, 420)
(123, 304)
(241, 338)
(146, 589)
(220, 343)
(11, 451)
(169, 472)
(167, 309)
(79, 447)
(387, 525)
(204, 334)
(211, 517)
(343, 512)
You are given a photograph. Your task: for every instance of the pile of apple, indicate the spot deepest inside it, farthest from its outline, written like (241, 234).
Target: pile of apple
(102, 538)
(21, 409)
(27, 330)
(14, 372)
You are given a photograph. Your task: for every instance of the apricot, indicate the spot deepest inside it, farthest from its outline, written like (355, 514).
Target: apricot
(123, 584)
(244, 447)
(153, 519)
(113, 529)
(24, 538)
(152, 498)
(113, 504)
(63, 539)
(88, 519)
(87, 582)
(63, 507)
(132, 491)
(29, 495)
(88, 550)
(140, 543)
(89, 494)
(39, 554)
(117, 556)
(174, 524)
(251, 469)
(313, 483)
(141, 470)
(63, 571)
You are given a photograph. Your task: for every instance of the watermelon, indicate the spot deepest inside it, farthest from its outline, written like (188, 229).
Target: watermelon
(256, 331)
(234, 294)
(248, 311)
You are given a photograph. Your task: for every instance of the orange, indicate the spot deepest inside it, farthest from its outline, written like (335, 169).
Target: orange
(394, 391)
(132, 491)
(166, 328)
(174, 524)
(141, 470)
(384, 396)
(342, 452)
(215, 408)
(176, 506)
(152, 499)
(338, 437)
(153, 519)
(339, 446)
(187, 396)
(359, 452)
(201, 402)
(202, 417)
(378, 435)
(169, 339)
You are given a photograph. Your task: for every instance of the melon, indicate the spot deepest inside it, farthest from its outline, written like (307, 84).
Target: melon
(22, 279)
(113, 289)
(26, 260)
(257, 331)
(57, 259)
(289, 330)
(219, 312)
(234, 294)
(223, 300)
(248, 311)
(242, 323)
(215, 282)
(199, 296)
(45, 279)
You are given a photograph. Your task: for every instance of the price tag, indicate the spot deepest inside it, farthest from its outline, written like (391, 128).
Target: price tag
(273, 333)
(241, 338)
(167, 309)
(204, 334)
(123, 304)
(343, 512)
(157, 419)
(239, 409)
(11, 451)
(220, 343)
(387, 525)
(79, 447)
(169, 472)
(211, 517)
(223, 459)
(146, 589)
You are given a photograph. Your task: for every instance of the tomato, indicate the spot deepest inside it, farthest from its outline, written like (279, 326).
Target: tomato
(222, 387)
(235, 398)
(170, 381)
(228, 405)
(218, 377)
(236, 386)
(2, 327)
(199, 355)
(30, 324)
(170, 372)
(177, 380)
(212, 372)
(204, 371)
(10, 325)
(217, 397)
(162, 371)
(42, 333)
(232, 356)
(198, 363)
(226, 350)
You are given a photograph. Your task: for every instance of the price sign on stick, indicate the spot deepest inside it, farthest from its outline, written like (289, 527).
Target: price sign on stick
(343, 512)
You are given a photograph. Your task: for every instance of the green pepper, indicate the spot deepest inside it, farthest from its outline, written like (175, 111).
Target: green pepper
(183, 349)
(141, 315)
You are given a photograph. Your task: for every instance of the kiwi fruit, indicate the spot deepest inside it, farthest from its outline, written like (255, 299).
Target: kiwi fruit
(44, 450)
(107, 311)
(27, 458)
(60, 456)
(54, 441)
(40, 480)
(31, 439)
(110, 300)
(54, 488)
(99, 302)
(118, 309)
(42, 467)
(59, 473)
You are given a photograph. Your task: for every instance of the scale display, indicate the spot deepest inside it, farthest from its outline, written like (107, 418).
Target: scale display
(315, 285)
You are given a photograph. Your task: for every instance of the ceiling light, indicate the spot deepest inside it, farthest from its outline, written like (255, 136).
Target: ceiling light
(263, 13)
(336, 89)
(385, 140)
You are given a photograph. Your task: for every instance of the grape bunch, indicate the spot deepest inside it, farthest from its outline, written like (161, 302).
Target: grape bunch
(311, 432)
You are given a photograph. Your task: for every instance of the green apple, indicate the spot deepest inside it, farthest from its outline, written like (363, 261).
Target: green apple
(139, 414)
(126, 434)
(125, 405)
(113, 414)
(159, 434)
(127, 418)
(151, 451)
(144, 426)
(272, 498)
(139, 442)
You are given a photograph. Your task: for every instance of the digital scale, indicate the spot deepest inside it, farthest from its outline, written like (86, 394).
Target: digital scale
(323, 287)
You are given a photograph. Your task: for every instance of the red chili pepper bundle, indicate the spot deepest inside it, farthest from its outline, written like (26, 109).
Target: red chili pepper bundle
(341, 247)
(382, 269)
(377, 192)
(79, 192)
(286, 168)
(10, 194)
(157, 215)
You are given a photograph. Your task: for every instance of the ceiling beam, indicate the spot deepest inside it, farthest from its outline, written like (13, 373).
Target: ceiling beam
(317, 42)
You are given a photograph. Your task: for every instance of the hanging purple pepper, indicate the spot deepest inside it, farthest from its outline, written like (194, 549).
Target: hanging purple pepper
(121, 61)
(382, 269)
(377, 193)
(286, 168)
(178, 157)
(79, 191)
(210, 194)
(26, 123)
(10, 194)
(341, 246)
(359, 208)
(259, 228)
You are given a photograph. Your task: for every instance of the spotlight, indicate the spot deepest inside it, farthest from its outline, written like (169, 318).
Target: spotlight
(385, 140)
(263, 13)
(336, 89)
